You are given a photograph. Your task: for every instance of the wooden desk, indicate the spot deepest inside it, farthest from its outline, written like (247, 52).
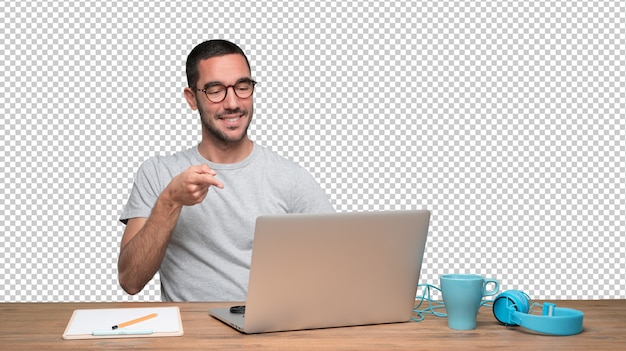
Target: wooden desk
(39, 326)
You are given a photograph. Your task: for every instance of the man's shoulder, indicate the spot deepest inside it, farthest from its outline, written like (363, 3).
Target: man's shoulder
(274, 158)
(180, 159)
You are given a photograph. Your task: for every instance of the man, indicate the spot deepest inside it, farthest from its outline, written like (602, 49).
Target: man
(190, 216)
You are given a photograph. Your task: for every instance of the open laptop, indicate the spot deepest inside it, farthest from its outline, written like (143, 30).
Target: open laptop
(313, 271)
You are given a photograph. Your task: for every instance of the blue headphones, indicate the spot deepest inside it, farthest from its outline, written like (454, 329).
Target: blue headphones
(512, 308)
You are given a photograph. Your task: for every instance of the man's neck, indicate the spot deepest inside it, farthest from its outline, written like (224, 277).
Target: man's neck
(225, 152)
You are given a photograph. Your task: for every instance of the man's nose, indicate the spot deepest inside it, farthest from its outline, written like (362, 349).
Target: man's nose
(231, 98)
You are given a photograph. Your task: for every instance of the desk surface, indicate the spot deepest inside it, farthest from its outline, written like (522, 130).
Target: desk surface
(39, 326)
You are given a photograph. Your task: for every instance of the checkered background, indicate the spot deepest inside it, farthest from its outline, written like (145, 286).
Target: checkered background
(506, 119)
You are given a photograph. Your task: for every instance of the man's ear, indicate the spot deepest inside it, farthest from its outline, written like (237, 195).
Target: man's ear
(190, 96)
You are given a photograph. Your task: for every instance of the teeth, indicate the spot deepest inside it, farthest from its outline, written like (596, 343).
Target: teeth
(231, 119)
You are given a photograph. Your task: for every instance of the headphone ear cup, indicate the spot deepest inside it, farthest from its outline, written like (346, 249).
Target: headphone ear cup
(508, 303)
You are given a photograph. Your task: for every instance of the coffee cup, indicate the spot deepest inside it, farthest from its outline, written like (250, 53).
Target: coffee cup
(462, 296)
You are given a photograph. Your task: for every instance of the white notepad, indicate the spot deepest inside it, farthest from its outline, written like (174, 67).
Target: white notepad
(98, 323)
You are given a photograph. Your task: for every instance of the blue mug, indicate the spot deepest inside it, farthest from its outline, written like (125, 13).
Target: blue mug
(462, 295)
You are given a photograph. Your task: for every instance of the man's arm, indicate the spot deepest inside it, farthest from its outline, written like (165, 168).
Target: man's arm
(145, 240)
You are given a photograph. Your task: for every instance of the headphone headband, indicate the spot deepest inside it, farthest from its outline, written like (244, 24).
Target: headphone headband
(512, 307)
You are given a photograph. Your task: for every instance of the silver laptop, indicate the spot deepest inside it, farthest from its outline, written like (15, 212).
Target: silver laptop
(313, 271)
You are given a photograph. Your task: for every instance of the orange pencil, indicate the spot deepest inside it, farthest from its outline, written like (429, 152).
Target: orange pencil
(134, 321)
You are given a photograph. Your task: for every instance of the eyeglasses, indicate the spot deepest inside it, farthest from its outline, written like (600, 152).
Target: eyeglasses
(217, 92)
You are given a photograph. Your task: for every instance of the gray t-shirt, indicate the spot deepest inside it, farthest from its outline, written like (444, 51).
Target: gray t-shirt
(208, 256)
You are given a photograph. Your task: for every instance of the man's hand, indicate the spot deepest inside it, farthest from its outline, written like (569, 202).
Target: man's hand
(191, 186)
(145, 239)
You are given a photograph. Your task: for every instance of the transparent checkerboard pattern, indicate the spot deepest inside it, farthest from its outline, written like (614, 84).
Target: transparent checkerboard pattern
(505, 119)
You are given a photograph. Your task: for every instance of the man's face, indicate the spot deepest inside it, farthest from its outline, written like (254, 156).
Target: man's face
(228, 120)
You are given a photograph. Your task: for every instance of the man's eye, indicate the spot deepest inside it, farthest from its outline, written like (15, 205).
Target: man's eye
(214, 91)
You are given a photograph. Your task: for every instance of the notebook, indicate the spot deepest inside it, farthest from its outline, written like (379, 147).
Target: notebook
(132, 322)
(312, 271)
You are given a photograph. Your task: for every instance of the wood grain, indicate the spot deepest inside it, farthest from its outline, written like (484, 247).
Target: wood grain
(39, 326)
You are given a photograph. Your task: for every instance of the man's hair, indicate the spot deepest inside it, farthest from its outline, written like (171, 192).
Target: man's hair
(206, 50)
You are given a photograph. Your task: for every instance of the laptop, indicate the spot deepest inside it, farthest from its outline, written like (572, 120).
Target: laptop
(311, 271)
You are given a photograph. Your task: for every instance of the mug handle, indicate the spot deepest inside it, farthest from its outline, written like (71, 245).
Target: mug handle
(496, 287)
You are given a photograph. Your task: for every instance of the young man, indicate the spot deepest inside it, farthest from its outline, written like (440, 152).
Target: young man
(190, 216)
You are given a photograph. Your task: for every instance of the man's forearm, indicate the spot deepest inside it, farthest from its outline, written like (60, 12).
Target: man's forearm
(141, 257)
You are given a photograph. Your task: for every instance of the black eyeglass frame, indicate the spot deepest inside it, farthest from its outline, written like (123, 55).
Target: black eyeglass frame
(226, 87)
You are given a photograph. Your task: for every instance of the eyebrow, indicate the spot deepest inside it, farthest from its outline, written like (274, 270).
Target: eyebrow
(214, 83)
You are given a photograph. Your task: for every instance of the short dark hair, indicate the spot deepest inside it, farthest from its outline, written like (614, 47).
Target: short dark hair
(208, 49)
